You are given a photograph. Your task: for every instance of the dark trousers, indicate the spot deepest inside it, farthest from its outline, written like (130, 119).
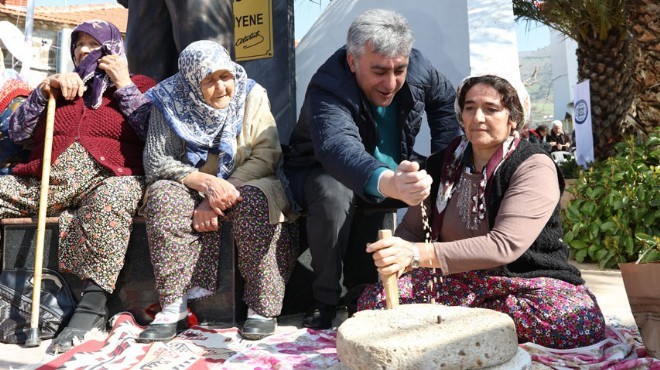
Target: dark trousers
(158, 30)
(339, 225)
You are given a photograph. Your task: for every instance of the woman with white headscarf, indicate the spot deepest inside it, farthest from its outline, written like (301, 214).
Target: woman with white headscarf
(212, 154)
(495, 227)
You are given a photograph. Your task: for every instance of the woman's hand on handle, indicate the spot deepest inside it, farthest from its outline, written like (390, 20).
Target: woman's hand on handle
(391, 255)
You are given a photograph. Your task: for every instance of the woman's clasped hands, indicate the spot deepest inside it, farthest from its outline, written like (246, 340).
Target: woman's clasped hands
(220, 195)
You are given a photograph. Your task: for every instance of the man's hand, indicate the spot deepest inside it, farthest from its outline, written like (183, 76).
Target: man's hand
(407, 183)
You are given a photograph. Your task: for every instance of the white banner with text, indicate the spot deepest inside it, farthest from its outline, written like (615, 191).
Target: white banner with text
(584, 141)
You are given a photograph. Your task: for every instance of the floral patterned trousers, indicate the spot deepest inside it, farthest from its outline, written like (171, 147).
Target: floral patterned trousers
(95, 211)
(184, 258)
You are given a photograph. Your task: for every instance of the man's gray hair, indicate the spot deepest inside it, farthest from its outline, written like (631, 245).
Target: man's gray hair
(387, 31)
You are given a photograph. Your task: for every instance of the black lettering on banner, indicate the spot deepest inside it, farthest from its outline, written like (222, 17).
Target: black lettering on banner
(250, 20)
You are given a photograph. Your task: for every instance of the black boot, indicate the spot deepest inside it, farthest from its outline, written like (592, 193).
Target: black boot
(320, 316)
(89, 314)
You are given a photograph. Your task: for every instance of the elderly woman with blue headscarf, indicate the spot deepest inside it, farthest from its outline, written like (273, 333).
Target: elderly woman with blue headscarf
(96, 180)
(212, 154)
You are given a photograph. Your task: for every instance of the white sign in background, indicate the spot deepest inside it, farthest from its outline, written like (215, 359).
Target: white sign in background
(584, 142)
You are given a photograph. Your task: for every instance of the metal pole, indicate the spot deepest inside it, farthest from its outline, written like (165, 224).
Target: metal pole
(27, 59)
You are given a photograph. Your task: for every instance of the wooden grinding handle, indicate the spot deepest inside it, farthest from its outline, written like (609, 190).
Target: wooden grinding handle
(390, 281)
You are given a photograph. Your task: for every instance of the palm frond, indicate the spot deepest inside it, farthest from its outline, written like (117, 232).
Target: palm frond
(578, 19)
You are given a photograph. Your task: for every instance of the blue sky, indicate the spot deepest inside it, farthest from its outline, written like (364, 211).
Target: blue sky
(536, 37)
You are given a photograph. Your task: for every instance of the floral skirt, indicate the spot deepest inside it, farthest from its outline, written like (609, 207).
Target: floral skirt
(546, 311)
(95, 211)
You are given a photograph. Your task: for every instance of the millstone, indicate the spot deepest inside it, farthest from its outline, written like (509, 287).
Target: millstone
(427, 336)
(521, 361)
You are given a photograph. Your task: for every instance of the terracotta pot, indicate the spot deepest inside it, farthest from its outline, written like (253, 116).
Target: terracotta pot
(642, 283)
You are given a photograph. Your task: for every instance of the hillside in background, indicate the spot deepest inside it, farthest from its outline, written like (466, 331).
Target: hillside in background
(536, 72)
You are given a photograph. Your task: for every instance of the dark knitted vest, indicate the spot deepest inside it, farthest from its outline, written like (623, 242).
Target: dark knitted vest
(548, 255)
(103, 132)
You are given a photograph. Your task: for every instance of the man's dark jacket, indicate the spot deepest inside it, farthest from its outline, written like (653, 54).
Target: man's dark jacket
(335, 127)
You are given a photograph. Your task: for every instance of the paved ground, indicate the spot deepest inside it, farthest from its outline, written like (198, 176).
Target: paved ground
(607, 285)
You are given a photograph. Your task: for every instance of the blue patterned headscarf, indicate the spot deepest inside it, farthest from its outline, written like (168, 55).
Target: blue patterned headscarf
(203, 128)
(111, 43)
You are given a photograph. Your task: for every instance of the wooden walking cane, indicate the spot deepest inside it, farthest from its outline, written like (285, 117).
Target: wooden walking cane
(389, 281)
(33, 339)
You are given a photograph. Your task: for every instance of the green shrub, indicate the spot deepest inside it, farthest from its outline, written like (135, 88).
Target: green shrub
(614, 216)
(569, 168)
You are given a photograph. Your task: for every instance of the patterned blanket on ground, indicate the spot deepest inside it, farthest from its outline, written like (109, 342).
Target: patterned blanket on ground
(204, 348)
(622, 349)
(200, 348)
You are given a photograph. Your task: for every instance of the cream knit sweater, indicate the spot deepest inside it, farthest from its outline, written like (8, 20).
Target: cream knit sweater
(258, 152)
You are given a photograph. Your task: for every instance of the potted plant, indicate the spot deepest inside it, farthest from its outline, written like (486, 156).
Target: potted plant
(614, 219)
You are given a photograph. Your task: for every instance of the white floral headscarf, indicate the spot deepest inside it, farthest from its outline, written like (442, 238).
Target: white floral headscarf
(203, 128)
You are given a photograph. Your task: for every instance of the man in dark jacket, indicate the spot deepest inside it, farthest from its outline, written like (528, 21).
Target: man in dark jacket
(157, 31)
(353, 144)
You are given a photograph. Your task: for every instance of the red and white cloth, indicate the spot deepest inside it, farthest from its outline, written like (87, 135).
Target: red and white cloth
(204, 348)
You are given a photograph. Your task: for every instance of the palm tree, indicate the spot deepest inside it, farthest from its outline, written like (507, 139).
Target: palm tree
(603, 55)
(644, 25)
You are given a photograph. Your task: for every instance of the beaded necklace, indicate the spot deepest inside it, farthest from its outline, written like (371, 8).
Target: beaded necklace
(453, 173)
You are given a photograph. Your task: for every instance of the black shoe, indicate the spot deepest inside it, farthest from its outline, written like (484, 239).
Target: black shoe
(258, 328)
(64, 341)
(320, 317)
(89, 314)
(162, 332)
(351, 298)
